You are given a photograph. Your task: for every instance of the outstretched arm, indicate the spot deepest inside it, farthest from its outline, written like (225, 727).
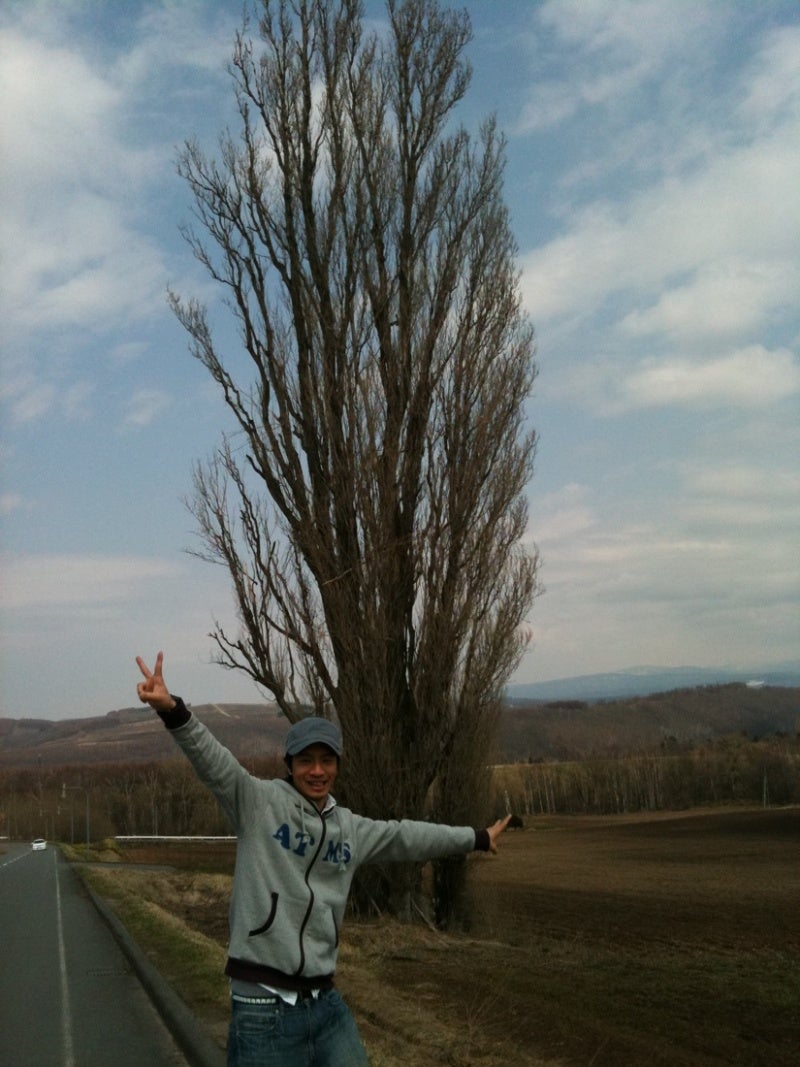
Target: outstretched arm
(393, 840)
(153, 689)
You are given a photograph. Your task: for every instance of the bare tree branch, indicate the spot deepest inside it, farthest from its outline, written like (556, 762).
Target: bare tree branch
(372, 522)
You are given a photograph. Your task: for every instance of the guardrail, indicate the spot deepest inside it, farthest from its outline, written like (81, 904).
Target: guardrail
(170, 837)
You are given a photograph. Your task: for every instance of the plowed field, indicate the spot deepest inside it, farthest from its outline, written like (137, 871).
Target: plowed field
(619, 941)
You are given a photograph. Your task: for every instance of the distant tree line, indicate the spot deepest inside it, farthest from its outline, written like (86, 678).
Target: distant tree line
(164, 797)
(159, 797)
(729, 770)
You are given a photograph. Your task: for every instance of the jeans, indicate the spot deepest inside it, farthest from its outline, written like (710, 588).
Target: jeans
(318, 1032)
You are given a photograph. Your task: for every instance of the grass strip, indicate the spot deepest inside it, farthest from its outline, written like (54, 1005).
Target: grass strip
(191, 962)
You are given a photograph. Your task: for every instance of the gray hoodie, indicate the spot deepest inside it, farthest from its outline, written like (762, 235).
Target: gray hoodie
(294, 866)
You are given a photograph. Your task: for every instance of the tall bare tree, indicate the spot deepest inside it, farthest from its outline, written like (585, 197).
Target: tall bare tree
(370, 506)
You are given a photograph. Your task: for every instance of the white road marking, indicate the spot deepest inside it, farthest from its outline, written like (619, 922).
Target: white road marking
(66, 1013)
(7, 863)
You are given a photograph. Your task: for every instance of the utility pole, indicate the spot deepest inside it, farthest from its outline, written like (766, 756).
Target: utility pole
(64, 788)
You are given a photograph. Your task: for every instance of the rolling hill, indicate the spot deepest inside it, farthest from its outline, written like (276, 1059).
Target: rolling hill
(529, 730)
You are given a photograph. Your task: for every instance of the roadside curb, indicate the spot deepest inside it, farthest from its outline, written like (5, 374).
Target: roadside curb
(194, 1042)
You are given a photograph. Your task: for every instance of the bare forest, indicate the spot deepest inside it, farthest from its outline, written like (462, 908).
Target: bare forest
(164, 797)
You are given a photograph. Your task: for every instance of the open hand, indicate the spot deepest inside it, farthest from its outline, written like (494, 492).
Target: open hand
(153, 689)
(495, 830)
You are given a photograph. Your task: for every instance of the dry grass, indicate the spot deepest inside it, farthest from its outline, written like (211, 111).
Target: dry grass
(659, 940)
(152, 906)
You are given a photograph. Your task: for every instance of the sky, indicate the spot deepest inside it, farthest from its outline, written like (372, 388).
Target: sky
(653, 183)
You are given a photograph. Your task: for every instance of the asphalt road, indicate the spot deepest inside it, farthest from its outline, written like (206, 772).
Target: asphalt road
(68, 996)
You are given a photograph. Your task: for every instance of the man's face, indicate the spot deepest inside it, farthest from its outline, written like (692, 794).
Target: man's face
(314, 771)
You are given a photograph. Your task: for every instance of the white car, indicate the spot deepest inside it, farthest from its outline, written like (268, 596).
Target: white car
(38, 844)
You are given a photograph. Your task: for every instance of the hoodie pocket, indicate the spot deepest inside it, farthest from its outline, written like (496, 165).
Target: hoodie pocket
(270, 919)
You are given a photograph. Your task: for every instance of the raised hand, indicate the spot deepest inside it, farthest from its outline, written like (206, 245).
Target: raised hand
(495, 830)
(153, 689)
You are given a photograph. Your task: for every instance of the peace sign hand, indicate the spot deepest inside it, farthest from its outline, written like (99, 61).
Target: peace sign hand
(153, 689)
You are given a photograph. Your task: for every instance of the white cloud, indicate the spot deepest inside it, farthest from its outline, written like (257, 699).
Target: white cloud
(51, 94)
(28, 399)
(616, 47)
(724, 298)
(740, 482)
(761, 503)
(172, 35)
(753, 377)
(559, 516)
(11, 502)
(620, 29)
(73, 255)
(75, 403)
(127, 352)
(656, 592)
(89, 135)
(60, 581)
(671, 284)
(146, 406)
(773, 91)
(742, 206)
(703, 248)
(749, 379)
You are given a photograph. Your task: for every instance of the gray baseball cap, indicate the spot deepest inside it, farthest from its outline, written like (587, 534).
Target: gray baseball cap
(313, 731)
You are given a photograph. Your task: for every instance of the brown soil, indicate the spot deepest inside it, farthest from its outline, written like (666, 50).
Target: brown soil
(658, 940)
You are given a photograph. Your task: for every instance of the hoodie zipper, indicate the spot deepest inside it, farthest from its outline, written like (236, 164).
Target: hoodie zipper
(311, 896)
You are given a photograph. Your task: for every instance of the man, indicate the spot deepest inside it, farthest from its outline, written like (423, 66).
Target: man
(296, 853)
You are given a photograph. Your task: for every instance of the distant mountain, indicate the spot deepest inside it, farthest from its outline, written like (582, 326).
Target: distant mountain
(669, 721)
(561, 720)
(132, 735)
(641, 681)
